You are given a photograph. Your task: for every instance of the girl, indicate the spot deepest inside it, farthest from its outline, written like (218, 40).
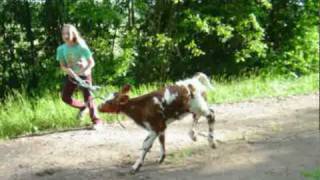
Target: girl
(76, 61)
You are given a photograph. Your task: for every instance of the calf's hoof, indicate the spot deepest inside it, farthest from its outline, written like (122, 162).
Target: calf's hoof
(192, 136)
(212, 144)
(161, 159)
(134, 170)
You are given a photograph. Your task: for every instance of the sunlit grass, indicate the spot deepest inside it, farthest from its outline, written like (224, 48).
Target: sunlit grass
(252, 87)
(312, 174)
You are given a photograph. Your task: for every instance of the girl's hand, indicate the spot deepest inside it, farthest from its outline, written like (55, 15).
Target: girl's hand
(81, 64)
(86, 65)
(68, 70)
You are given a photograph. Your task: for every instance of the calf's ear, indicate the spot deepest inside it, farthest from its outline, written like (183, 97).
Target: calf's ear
(125, 89)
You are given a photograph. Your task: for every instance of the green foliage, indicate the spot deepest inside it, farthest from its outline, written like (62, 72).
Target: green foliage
(293, 38)
(303, 58)
(113, 60)
(252, 35)
(146, 41)
(195, 51)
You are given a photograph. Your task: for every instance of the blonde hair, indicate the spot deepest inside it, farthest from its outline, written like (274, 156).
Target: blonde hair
(76, 35)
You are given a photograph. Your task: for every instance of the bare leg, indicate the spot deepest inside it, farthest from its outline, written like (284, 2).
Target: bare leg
(147, 144)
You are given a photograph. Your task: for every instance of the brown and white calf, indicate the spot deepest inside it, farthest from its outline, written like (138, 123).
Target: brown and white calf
(154, 111)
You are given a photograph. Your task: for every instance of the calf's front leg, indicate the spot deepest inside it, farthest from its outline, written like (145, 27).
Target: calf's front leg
(147, 144)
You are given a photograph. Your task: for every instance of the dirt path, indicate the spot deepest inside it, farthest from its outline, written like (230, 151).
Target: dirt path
(274, 138)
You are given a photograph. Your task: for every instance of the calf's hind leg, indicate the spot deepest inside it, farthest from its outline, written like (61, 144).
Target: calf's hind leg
(211, 121)
(193, 130)
(162, 147)
(161, 132)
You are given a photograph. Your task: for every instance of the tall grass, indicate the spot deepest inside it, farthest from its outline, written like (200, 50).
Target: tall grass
(238, 89)
(20, 114)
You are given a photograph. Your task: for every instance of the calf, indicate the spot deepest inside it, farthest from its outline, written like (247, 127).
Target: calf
(154, 111)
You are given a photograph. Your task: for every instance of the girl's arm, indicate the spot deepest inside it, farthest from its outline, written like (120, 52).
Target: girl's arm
(68, 70)
(90, 65)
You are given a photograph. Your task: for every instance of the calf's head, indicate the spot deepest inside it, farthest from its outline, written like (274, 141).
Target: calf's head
(114, 102)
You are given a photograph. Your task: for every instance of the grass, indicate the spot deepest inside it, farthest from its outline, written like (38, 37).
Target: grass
(22, 115)
(312, 174)
(239, 89)
(180, 155)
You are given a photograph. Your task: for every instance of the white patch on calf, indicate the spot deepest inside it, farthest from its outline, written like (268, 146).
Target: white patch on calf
(194, 82)
(156, 101)
(109, 97)
(148, 143)
(198, 105)
(200, 82)
(204, 80)
(147, 125)
(169, 97)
